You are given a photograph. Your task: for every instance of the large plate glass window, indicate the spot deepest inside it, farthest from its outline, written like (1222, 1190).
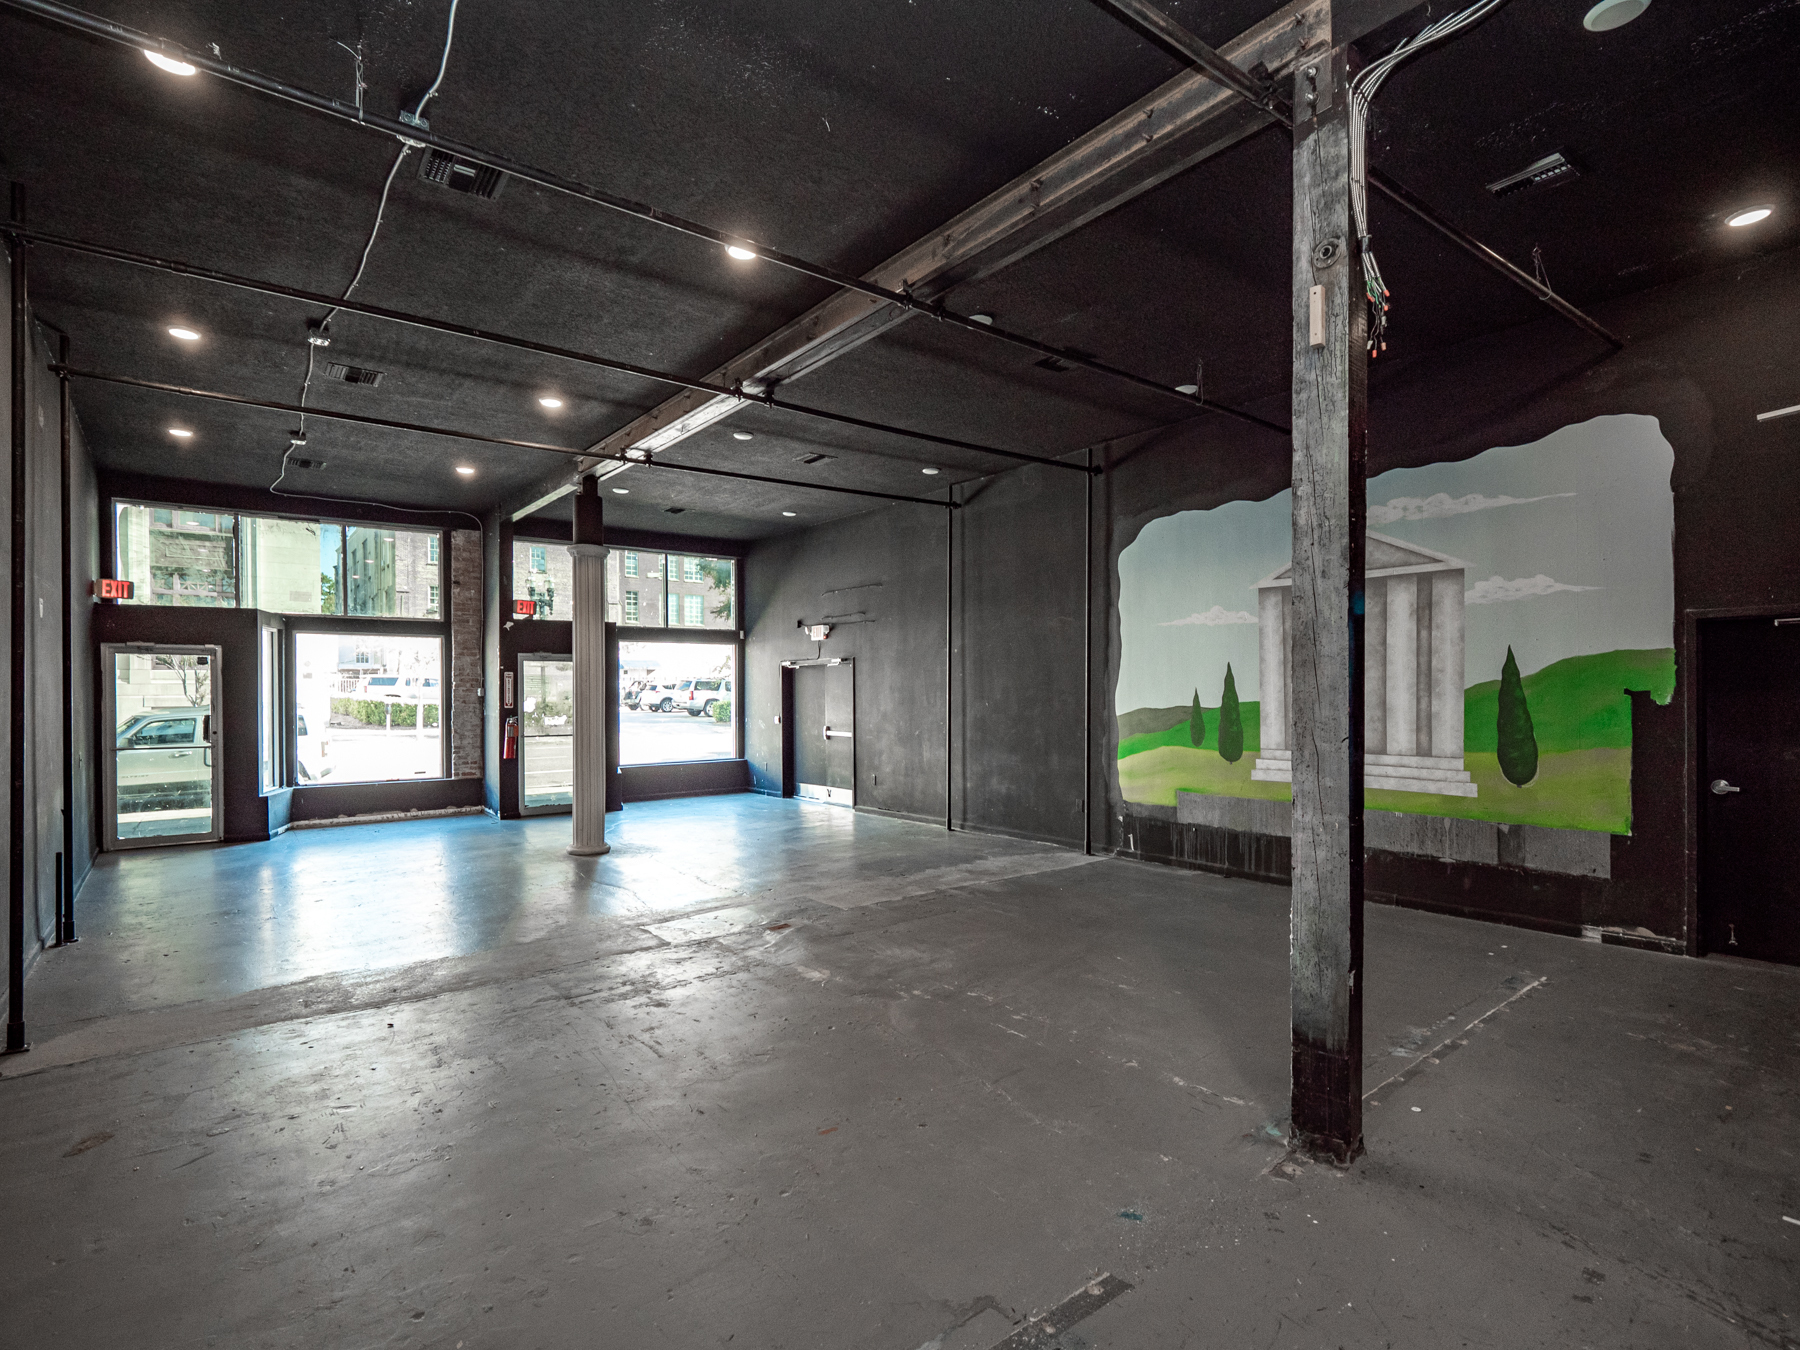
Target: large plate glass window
(678, 702)
(368, 707)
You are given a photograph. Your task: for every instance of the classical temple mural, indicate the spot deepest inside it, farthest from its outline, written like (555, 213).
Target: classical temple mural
(1512, 600)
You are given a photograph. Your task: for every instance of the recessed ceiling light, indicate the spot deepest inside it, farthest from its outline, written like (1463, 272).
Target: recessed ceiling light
(927, 470)
(550, 401)
(982, 318)
(741, 254)
(168, 63)
(740, 435)
(185, 334)
(1751, 216)
(1611, 14)
(182, 432)
(1187, 388)
(622, 491)
(790, 513)
(464, 470)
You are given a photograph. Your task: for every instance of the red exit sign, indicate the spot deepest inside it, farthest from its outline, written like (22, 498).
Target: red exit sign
(523, 609)
(109, 588)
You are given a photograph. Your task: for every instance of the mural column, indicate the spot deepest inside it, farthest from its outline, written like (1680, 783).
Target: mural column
(1447, 665)
(1330, 392)
(1272, 665)
(1402, 665)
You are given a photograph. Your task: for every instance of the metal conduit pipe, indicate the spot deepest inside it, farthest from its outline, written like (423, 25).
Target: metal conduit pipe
(95, 26)
(65, 925)
(765, 398)
(1486, 256)
(394, 425)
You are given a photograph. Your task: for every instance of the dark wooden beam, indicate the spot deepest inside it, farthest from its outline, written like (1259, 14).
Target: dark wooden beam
(1330, 349)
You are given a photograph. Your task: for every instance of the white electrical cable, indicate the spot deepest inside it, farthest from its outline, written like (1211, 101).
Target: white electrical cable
(1362, 90)
(387, 187)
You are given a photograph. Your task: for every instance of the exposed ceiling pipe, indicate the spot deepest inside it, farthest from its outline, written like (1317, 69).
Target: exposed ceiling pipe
(1151, 21)
(765, 398)
(391, 424)
(95, 26)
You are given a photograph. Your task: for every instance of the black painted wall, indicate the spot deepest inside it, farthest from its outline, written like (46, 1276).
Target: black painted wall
(1705, 355)
(46, 588)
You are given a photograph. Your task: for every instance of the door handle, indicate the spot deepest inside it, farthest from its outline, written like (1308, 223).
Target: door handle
(831, 735)
(182, 754)
(1720, 787)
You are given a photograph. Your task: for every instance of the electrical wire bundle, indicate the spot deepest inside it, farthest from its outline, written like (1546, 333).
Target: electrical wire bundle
(1362, 90)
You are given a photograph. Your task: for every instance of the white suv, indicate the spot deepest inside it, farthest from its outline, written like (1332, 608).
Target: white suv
(701, 695)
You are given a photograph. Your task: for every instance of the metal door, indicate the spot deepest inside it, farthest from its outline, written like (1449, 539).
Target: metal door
(546, 700)
(824, 732)
(1750, 788)
(163, 772)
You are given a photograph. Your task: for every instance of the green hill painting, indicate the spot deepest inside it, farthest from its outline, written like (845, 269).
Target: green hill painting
(1579, 710)
(1512, 599)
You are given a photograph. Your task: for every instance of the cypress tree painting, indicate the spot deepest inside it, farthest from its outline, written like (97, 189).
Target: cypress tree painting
(1515, 740)
(1196, 721)
(1231, 721)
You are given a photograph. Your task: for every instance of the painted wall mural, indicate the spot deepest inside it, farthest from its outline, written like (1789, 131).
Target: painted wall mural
(1513, 598)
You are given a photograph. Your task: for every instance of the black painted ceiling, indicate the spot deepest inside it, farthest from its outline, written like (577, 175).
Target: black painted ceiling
(838, 132)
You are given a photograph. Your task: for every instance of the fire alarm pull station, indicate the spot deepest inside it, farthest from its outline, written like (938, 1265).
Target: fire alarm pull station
(506, 689)
(111, 588)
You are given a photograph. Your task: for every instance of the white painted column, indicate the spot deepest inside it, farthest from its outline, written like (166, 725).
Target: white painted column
(589, 649)
(1272, 666)
(1447, 664)
(1402, 665)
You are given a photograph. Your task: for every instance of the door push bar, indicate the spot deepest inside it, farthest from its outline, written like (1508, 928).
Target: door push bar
(831, 735)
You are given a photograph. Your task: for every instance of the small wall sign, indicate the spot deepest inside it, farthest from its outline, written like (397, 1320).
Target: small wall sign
(110, 588)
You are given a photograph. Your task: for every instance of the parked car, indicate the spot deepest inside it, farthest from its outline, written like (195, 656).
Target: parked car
(633, 696)
(666, 697)
(164, 760)
(702, 695)
(401, 689)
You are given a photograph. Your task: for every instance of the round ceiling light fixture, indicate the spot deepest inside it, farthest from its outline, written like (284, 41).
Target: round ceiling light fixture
(1187, 388)
(741, 436)
(1611, 14)
(467, 471)
(623, 492)
(1750, 217)
(550, 401)
(740, 253)
(930, 471)
(185, 334)
(181, 432)
(987, 319)
(790, 513)
(168, 63)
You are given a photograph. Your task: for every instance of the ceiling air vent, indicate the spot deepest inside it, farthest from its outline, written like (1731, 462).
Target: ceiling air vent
(814, 458)
(295, 462)
(674, 510)
(478, 180)
(1053, 364)
(1552, 168)
(337, 370)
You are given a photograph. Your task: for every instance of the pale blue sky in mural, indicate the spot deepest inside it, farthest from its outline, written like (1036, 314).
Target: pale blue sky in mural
(1568, 543)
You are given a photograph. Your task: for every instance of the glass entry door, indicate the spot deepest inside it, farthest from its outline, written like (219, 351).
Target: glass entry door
(546, 734)
(164, 773)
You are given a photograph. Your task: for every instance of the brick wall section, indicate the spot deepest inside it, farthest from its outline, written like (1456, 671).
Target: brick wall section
(465, 653)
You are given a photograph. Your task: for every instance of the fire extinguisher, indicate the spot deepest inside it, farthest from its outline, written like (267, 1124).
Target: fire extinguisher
(510, 748)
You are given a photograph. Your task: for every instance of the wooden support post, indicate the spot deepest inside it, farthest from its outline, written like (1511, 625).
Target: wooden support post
(1330, 514)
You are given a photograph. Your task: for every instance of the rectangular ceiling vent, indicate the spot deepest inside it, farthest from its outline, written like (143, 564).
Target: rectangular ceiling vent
(452, 171)
(337, 370)
(295, 462)
(1552, 168)
(1055, 365)
(815, 458)
(674, 510)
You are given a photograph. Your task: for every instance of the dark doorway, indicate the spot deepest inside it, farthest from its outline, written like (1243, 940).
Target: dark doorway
(1750, 788)
(821, 732)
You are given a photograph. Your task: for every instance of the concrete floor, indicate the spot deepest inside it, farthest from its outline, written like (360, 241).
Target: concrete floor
(777, 1075)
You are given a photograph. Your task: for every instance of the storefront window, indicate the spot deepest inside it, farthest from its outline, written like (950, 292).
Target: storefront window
(368, 708)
